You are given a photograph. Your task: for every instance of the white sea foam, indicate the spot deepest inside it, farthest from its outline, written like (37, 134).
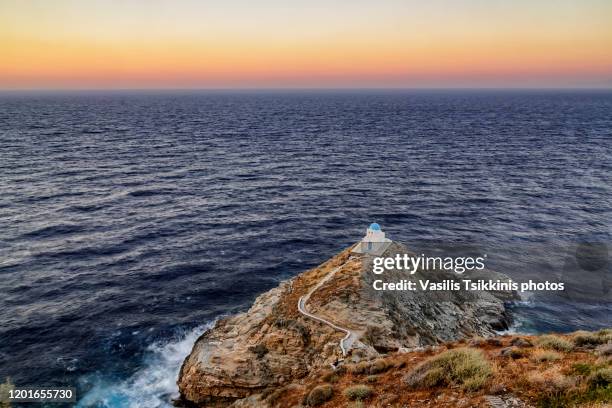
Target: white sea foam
(154, 385)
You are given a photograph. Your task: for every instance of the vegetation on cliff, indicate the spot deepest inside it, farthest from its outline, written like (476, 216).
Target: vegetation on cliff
(505, 371)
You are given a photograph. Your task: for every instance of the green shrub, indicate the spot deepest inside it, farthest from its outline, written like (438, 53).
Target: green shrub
(584, 338)
(358, 392)
(598, 392)
(372, 378)
(320, 394)
(464, 367)
(601, 378)
(582, 369)
(552, 342)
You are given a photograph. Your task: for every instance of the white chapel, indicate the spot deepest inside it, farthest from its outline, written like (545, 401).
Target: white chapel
(374, 242)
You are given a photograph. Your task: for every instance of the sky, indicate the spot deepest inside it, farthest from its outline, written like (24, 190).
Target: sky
(139, 44)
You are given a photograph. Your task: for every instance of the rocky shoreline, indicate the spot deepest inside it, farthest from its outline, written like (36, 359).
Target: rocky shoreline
(273, 345)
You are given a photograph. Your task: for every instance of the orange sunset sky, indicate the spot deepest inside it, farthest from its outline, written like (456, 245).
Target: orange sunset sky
(302, 44)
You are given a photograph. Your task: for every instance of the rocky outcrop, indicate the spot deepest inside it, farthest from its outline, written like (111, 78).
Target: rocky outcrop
(273, 344)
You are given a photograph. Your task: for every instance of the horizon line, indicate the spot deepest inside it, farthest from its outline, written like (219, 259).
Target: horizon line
(256, 89)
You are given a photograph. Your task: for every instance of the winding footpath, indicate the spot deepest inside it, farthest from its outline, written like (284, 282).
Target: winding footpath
(350, 336)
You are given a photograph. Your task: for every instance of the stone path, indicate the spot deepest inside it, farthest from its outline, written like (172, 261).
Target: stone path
(350, 337)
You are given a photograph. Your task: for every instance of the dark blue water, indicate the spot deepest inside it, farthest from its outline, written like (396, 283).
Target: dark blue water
(129, 221)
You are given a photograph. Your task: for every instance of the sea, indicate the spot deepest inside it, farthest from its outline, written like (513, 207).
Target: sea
(131, 220)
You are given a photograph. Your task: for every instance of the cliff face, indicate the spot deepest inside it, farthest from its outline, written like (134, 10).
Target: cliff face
(273, 344)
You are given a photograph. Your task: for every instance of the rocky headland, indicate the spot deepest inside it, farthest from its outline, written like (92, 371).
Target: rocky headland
(273, 344)
(275, 354)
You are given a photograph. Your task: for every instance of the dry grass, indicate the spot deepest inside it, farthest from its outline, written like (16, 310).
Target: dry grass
(516, 353)
(591, 339)
(551, 381)
(552, 342)
(546, 378)
(330, 376)
(558, 390)
(542, 356)
(359, 368)
(467, 368)
(377, 366)
(605, 350)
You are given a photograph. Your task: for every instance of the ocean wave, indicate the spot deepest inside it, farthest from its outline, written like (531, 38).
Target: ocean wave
(153, 385)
